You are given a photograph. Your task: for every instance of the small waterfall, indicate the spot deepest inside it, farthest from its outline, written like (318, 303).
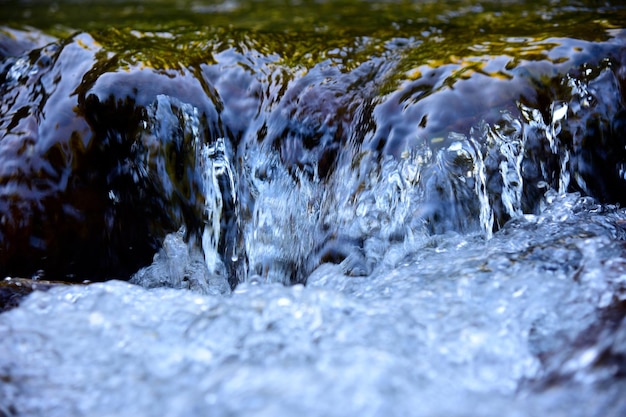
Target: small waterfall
(220, 237)
(558, 110)
(314, 160)
(480, 188)
(213, 201)
(330, 208)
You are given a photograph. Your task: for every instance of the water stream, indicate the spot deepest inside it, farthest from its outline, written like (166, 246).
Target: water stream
(321, 208)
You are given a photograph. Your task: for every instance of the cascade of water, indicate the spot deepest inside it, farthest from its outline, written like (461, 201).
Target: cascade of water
(363, 154)
(282, 230)
(219, 237)
(558, 110)
(511, 147)
(486, 216)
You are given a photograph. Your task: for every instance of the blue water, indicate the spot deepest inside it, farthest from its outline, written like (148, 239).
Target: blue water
(419, 216)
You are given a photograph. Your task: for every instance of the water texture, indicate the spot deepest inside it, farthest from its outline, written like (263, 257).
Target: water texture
(529, 322)
(328, 208)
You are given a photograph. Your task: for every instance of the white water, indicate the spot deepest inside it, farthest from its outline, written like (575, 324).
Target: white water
(529, 322)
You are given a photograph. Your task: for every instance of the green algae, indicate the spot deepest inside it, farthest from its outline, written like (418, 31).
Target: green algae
(491, 38)
(306, 32)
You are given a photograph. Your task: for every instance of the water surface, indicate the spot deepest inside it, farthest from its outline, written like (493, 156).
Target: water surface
(324, 208)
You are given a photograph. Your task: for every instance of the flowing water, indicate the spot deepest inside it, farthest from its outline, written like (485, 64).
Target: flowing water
(321, 208)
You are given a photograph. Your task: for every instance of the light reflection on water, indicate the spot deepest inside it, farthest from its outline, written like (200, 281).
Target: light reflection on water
(416, 167)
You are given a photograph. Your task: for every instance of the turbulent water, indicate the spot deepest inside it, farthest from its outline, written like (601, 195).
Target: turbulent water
(329, 208)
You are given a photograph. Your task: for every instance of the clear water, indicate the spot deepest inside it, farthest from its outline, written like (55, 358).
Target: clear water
(335, 208)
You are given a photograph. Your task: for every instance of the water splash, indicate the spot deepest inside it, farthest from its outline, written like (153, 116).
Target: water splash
(475, 183)
(220, 234)
(532, 319)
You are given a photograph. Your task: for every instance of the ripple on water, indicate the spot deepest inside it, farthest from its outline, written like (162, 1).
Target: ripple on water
(429, 187)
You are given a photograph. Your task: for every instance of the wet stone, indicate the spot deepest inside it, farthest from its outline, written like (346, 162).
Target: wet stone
(100, 167)
(14, 290)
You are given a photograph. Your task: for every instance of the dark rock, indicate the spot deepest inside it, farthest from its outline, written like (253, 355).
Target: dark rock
(13, 290)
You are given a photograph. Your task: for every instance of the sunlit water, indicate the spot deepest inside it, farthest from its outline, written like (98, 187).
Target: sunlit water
(332, 209)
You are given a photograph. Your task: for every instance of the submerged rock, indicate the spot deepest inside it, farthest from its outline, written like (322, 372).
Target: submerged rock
(96, 169)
